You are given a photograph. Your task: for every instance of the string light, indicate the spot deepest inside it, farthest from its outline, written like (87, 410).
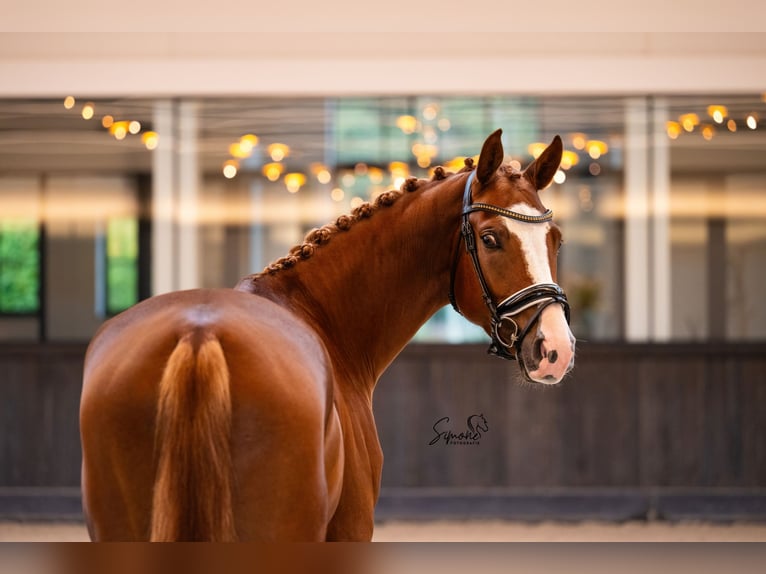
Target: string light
(673, 129)
(247, 142)
(429, 135)
(69, 102)
(689, 121)
(321, 172)
(718, 113)
(399, 170)
(596, 148)
(294, 181)
(134, 127)
(455, 164)
(150, 139)
(376, 175)
(408, 124)
(337, 194)
(536, 148)
(278, 151)
(429, 150)
(107, 121)
(119, 129)
(578, 140)
(272, 171)
(430, 111)
(236, 150)
(88, 110)
(425, 153)
(568, 159)
(230, 168)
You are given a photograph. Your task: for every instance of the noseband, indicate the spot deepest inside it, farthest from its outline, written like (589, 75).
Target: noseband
(507, 346)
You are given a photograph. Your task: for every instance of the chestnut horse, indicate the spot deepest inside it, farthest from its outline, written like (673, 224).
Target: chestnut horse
(246, 414)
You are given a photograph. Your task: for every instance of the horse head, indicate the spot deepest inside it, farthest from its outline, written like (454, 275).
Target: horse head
(481, 423)
(505, 281)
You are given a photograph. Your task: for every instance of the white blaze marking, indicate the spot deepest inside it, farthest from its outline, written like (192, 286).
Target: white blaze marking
(533, 242)
(553, 326)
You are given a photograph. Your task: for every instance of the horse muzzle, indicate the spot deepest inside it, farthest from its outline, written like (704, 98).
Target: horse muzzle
(548, 356)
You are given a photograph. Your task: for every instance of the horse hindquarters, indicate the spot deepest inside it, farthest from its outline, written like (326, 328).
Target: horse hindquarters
(177, 431)
(193, 487)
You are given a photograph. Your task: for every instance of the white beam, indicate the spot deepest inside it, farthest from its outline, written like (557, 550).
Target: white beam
(187, 260)
(660, 262)
(637, 302)
(559, 75)
(163, 201)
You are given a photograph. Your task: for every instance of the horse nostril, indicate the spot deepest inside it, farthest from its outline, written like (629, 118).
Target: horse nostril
(553, 356)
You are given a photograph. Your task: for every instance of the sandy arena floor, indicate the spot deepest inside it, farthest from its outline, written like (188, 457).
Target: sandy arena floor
(475, 531)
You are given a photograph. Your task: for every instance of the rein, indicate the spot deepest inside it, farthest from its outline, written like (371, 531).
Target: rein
(507, 346)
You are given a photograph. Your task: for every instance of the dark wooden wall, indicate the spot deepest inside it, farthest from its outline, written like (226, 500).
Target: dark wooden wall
(630, 417)
(39, 404)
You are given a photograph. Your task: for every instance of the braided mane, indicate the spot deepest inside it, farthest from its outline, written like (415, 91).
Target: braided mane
(322, 235)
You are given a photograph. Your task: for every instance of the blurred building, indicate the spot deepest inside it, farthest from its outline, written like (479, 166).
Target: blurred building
(136, 164)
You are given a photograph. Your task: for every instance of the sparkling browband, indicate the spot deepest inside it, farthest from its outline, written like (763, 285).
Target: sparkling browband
(547, 216)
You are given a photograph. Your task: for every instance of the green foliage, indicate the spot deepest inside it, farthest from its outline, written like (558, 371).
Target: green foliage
(19, 267)
(121, 264)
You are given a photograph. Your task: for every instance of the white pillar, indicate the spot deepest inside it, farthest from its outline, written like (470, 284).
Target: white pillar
(257, 222)
(163, 203)
(175, 196)
(187, 260)
(660, 294)
(637, 303)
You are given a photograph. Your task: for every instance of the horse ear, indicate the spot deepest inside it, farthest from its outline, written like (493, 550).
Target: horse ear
(541, 171)
(490, 158)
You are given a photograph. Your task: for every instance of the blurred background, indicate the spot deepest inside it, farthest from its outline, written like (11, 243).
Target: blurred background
(132, 164)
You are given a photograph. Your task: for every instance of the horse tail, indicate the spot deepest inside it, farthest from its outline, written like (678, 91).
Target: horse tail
(193, 485)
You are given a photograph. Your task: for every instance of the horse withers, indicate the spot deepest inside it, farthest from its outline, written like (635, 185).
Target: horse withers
(246, 414)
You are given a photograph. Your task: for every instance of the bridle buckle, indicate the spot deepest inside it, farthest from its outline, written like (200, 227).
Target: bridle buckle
(507, 341)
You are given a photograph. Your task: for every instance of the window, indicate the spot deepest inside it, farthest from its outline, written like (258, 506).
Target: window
(19, 267)
(661, 202)
(121, 264)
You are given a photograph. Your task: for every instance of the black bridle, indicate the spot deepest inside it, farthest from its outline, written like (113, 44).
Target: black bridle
(506, 335)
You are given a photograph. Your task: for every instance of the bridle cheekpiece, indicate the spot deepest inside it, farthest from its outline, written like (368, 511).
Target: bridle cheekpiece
(506, 335)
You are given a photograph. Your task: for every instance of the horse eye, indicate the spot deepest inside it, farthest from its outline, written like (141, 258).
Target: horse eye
(490, 241)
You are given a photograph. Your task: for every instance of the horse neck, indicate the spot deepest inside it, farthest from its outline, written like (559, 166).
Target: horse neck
(370, 289)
